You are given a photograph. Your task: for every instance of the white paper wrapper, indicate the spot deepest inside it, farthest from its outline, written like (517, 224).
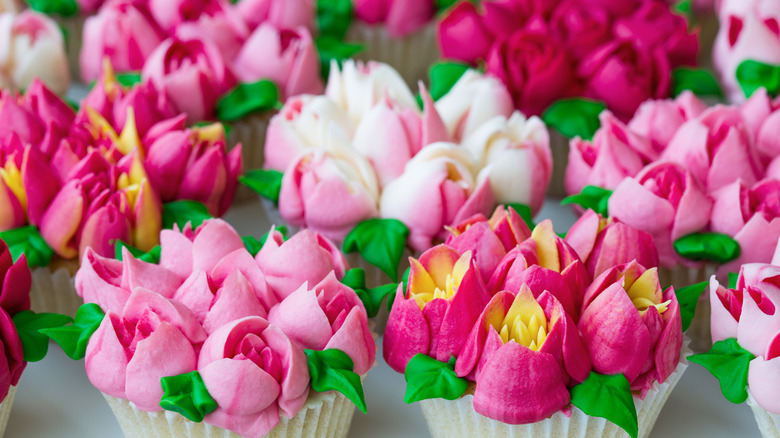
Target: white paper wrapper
(250, 132)
(73, 27)
(681, 276)
(768, 423)
(458, 418)
(54, 291)
(559, 145)
(327, 414)
(5, 409)
(410, 56)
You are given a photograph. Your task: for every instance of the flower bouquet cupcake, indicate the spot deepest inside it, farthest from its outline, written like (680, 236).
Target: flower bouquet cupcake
(566, 61)
(210, 340)
(744, 357)
(75, 180)
(367, 168)
(209, 61)
(533, 347)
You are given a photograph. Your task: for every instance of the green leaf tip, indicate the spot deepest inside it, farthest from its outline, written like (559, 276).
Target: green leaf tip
(381, 242)
(28, 241)
(187, 394)
(332, 370)
(73, 339)
(428, 378)
(729, 363)
(372, 298)
(715, 247)
(265, 182)
(688, 297)
(700, 82)
(609, 397)
(31, 327)
(575, 117)
(247, 98)
(182, 212)
(591, 197)
(753, 75)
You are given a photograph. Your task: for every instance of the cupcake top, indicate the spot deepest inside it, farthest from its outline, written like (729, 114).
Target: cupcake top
(365, 150)
(499, 303)
(547, 51)
(234, 321)
(75, 180)
(703, 174)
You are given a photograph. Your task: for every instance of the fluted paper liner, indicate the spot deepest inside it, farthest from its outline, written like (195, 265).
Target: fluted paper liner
(768, 423)
(250, 132)
(458, 418)
(559, 146)
(54, 291)
(682, 276)
(326, 414)
(410, 56)
(5, 409)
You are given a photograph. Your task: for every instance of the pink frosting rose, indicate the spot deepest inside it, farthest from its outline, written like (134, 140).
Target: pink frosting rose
(402, 17)
(679, 205)
(253, 371)
(218, 23)
(463, 36)
(659, 120)
(282, 14)
(582, 27)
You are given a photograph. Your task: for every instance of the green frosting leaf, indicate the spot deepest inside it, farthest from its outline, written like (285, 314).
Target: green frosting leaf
(371, 297)
(444, 75)
(716, 247)
(266, 182)
(591, 197)
(443, 5)
(684, 8)
(153, 256)
(331, 369)
(28, 241)
(246, 99)
(331, 48)
(74, 338)
(30, 326)
(63, 8)
(752, 75)
(688, 297)
(525, 212)
(334, 17)
(733, 278)
(129, 78)
(428, 378)
(181, 212)
(607, 397)
(700, 81)
(187, 394)
(381, 242)
(728, 362)
(253, 245)
(577, 117)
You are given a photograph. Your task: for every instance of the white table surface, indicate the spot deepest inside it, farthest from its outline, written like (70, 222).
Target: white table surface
(55, 399)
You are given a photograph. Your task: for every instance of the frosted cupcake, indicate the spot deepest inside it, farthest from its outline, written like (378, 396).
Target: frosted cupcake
(217, 340)
(529, 363)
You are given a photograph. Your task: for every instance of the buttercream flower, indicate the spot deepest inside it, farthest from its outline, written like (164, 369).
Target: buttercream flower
(335, 318)
(329, 190)
(194, 164)
(191, 73)
(33, 47)
(389, 136)
(717, 148)
(535, 67)
(624, 75)
(307, 257)
(280, 13)
(254, 372)
(670, 191)
(439, 178)
(615, 153)
(751, 215)
(582, 27)
(219, 23)
(522, 348)
(123, 31)
(356, 87)
(288, 57)
(443, 298)
(463, 36)
(152, 337)
(171, 13)
(631, 326)
(748, 313)
(15, 284)
(603, 243)
(302, 123)
(516, 153)
(489, 239)
(55, 114)
(401, 17)
(472, 101)
(659, 120)
(27, 185)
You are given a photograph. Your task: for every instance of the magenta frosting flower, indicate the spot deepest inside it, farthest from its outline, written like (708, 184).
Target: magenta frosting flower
(15, 281)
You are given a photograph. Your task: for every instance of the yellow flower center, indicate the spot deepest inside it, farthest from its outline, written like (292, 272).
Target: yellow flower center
(546, 246)
(12, 177)
(643, 292)
(524, 323)
(425, 288)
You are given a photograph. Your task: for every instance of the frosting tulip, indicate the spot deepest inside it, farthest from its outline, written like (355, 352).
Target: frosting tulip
(219, 23)
(444, 296)
(281, 14)
(15, 281)
(659, 120)
(401, 17)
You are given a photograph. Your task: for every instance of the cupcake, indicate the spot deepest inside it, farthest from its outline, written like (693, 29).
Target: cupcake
(101, 176)
(568, 60)
(209, 61)
(743, 329)
(358, 163)
(524, 350)
(216, 338)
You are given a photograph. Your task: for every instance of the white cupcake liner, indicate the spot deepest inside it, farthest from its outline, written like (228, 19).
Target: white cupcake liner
(327, 414)
(458, 418)
(5, 409)
(73, 27)
(54, 291)
(682, 276)
(411, 55)
(250, 132)
(768, 423)
(559, 145)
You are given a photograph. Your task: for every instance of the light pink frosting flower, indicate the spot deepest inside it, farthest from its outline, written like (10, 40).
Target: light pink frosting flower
(283, 14)
(402, 17)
